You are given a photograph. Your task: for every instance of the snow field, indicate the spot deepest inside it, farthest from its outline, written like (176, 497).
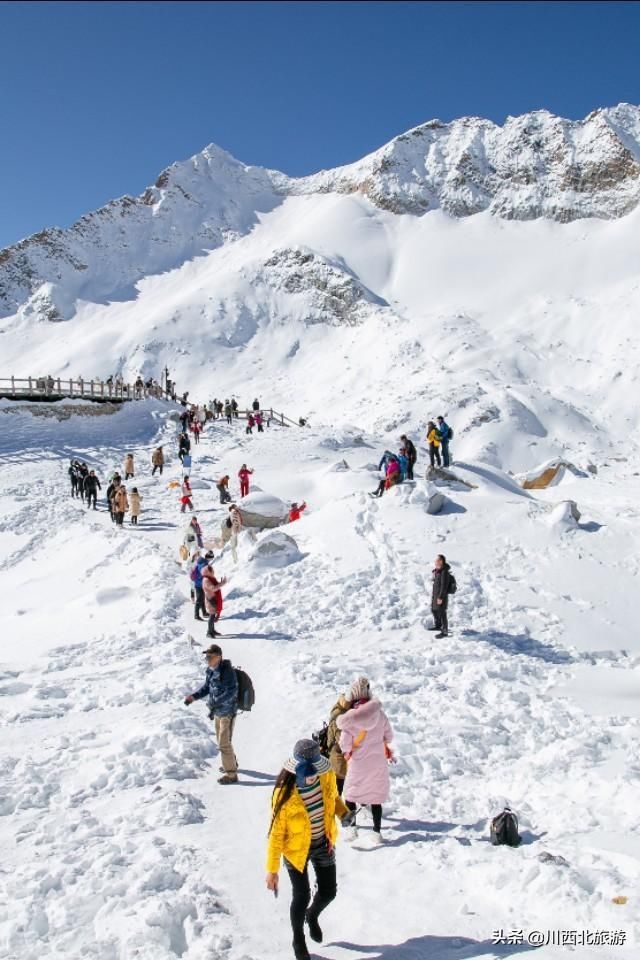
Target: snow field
(119, 842)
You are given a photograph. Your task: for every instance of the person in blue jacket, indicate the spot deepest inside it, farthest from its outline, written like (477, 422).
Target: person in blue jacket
(196, 579)
(404, 463)
(221, 687)
(446, 433)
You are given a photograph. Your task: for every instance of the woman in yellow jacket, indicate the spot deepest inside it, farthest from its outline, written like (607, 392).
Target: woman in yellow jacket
(433, 439)
(303, 830)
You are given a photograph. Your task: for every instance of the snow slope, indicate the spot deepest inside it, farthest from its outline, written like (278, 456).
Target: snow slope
(118, 843)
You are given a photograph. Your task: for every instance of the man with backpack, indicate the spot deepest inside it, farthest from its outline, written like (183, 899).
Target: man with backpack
(444, 583)
(221, 687)
(197, 571)
(446, 434)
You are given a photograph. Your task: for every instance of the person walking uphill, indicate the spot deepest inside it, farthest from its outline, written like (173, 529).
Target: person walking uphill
(244, 473)
(134, 505)
(157, 461)
(91, 487)
(221, 687)
(336, 756)
(120, 504)
(303, 830)
(212, 588)
(364, 740)
(440, 596)
(128, 467)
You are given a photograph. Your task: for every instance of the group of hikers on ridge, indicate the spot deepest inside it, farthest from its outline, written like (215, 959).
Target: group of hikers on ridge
(398, 467)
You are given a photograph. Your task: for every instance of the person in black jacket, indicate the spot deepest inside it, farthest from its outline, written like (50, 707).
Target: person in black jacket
(83, 473)
(440, 596)
(412, 454)
(184, 445)
(91, 487)
(74, 477)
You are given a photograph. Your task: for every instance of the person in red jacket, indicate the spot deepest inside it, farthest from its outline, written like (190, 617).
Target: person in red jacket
(296, 510)
(244, 473)
(212, 588)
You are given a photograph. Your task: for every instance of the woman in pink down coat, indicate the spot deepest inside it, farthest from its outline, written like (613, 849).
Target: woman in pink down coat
(365, 735)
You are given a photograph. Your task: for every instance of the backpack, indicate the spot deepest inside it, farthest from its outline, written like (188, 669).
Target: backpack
(450, 437)
(321, 737)
(453, 586)
(504, 829)
(246, 693)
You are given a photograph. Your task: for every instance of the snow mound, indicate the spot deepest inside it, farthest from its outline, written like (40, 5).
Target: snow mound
(565, 515)
(276, 549)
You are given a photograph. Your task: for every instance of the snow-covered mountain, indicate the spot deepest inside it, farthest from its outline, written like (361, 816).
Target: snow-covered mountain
(485, 271)
(536, 165)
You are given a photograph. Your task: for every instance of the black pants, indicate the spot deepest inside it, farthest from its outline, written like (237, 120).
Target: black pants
(225, 496)
(340, 783)
(74, 488)
(249, 430)
(260, 428)
(324, 864)
(380, 489)
(434, 454)
(211, 629)
(128, 476)
(196, 438)
(445, 453)
(157, 466)
(410, 470)
(134, 521)
(200, 604)
(440, 616)
(376, 813)
(229, 420)
(119, 519)
(92, 495)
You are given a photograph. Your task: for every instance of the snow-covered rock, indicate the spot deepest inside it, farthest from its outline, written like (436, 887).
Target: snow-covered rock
(548, 474)
(564, 514)
(276, 549)
(262, 510)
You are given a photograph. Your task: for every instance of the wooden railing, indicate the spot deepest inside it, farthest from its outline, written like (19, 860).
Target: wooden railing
(49, 388)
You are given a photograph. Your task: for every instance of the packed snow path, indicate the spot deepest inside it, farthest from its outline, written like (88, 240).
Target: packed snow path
(117, 840)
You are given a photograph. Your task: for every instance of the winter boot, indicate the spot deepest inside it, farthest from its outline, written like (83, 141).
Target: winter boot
(442, 634)
(228, 778)
(315, 931)
(300, 951)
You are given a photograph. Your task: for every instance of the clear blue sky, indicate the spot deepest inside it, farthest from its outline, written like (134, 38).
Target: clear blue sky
(97, 98)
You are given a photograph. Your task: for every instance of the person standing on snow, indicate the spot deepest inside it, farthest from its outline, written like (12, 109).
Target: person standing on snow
(196, 579)
(433, 439)
(221, 688)
(412, 454)
(134, 505)
(185, 499)
(250, 423)
(244, 473)
(73, 477)
(255, 405)
(259, 421)
(446, 434)
(111, 489)
(128, 467)
(228, 412)
(440, 596)
(213, 598)
(305, 804)
(120, 504)
(157, 460)
(364, 740)
(184, 446)
(83, 473)
(196, 429)
(403, 460)
(91, 487)
(222, 486)
(193, 539)
(234, 407)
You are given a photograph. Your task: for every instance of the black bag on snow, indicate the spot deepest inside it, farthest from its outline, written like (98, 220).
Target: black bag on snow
(453, 586)
(504, 829)
(321, 737)
(246, 693)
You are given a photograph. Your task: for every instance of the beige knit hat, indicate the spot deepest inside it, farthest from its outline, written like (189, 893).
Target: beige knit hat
(360, 690)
